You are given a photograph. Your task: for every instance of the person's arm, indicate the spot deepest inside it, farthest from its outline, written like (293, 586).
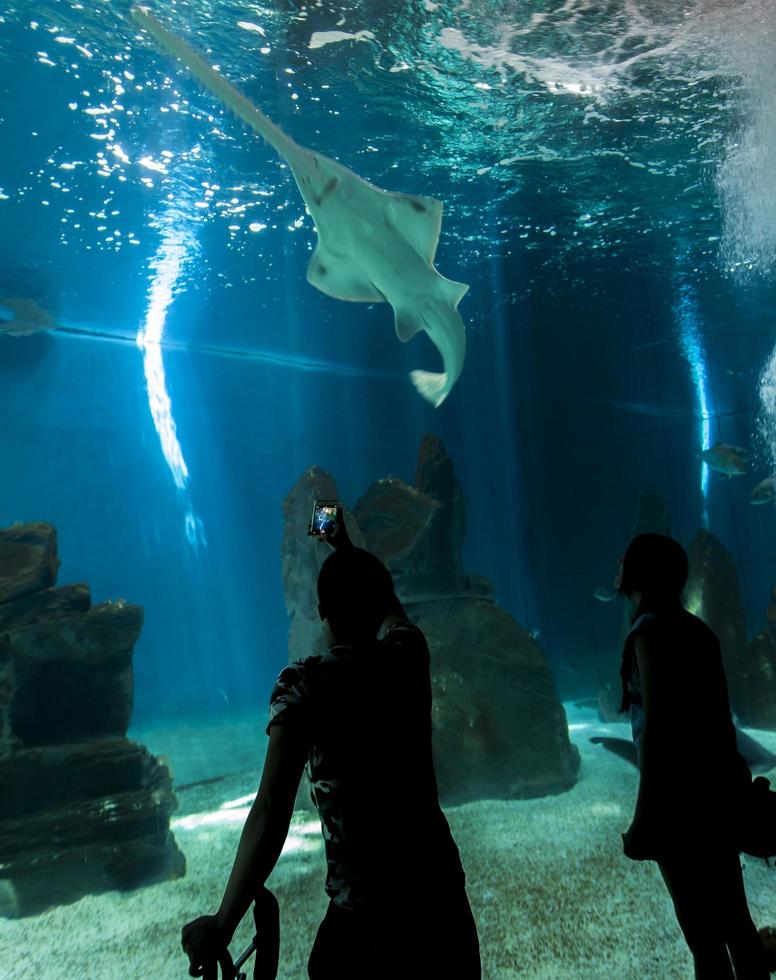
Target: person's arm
(651, 701)
(266, 826)
(638, 840)
(260, 845)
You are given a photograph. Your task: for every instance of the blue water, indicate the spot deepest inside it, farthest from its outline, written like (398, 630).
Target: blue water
(602, 169)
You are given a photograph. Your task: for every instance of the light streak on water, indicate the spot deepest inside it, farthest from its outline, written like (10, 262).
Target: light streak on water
(694, 352)
(175, 249)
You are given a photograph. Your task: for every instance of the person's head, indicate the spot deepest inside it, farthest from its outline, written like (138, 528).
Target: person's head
(653, 570)
(355, 594)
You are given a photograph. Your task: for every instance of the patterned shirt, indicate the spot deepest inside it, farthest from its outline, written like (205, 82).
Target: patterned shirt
(365, 714)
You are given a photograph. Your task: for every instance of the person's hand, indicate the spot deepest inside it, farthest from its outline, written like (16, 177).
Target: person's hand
(205, 944)
(337, 536)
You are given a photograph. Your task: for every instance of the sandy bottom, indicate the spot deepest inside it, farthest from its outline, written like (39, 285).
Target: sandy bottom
(551, 892)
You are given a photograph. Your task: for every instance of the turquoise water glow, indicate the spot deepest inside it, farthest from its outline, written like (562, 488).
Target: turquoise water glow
(607, 174)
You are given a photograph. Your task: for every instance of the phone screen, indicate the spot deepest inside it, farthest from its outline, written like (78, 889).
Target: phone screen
(324, 517)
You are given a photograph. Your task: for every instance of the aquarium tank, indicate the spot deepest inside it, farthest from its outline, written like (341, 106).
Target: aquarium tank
(500, 277)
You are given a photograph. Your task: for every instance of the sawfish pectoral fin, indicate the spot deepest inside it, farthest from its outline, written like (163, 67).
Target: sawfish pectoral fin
(339, 278)
(418, 220)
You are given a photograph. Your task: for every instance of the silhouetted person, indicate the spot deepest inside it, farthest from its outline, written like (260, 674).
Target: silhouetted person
(693, 780)
(359, 716)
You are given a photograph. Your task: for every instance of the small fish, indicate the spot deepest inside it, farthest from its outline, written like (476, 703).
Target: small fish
(604, 595)
(223, 694)
(22, 317)
(764, 492)
(725, 459)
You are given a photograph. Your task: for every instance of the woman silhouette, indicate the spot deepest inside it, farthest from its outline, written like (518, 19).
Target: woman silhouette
(685, 817)
(359, 717)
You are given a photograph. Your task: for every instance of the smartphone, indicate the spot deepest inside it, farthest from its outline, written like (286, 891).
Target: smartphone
(324, 518)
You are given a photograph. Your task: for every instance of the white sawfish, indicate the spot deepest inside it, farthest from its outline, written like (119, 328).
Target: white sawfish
(373, 245)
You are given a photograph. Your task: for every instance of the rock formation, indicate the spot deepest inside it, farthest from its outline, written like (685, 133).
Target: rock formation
(713, 593)
(499, 729)
(82, 808)
(761, 695)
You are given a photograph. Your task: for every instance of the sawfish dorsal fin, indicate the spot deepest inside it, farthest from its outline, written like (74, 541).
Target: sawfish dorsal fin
(419, 221)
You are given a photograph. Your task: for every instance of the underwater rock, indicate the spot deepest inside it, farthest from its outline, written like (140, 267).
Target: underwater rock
(418, 531)
(72, 675)
(435, 473)
(82, 819)
(28, 559)
(713, 593)
(761, 703)
(499, 729)
(44, 606)
(435, 476)
(82, 809)
(54, 776)
(395, 519)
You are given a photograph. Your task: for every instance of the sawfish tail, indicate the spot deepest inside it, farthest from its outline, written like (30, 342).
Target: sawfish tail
(215, 82)
(433, 387)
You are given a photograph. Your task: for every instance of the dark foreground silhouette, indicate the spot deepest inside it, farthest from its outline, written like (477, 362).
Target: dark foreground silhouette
(687, 818)
(359, 718)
